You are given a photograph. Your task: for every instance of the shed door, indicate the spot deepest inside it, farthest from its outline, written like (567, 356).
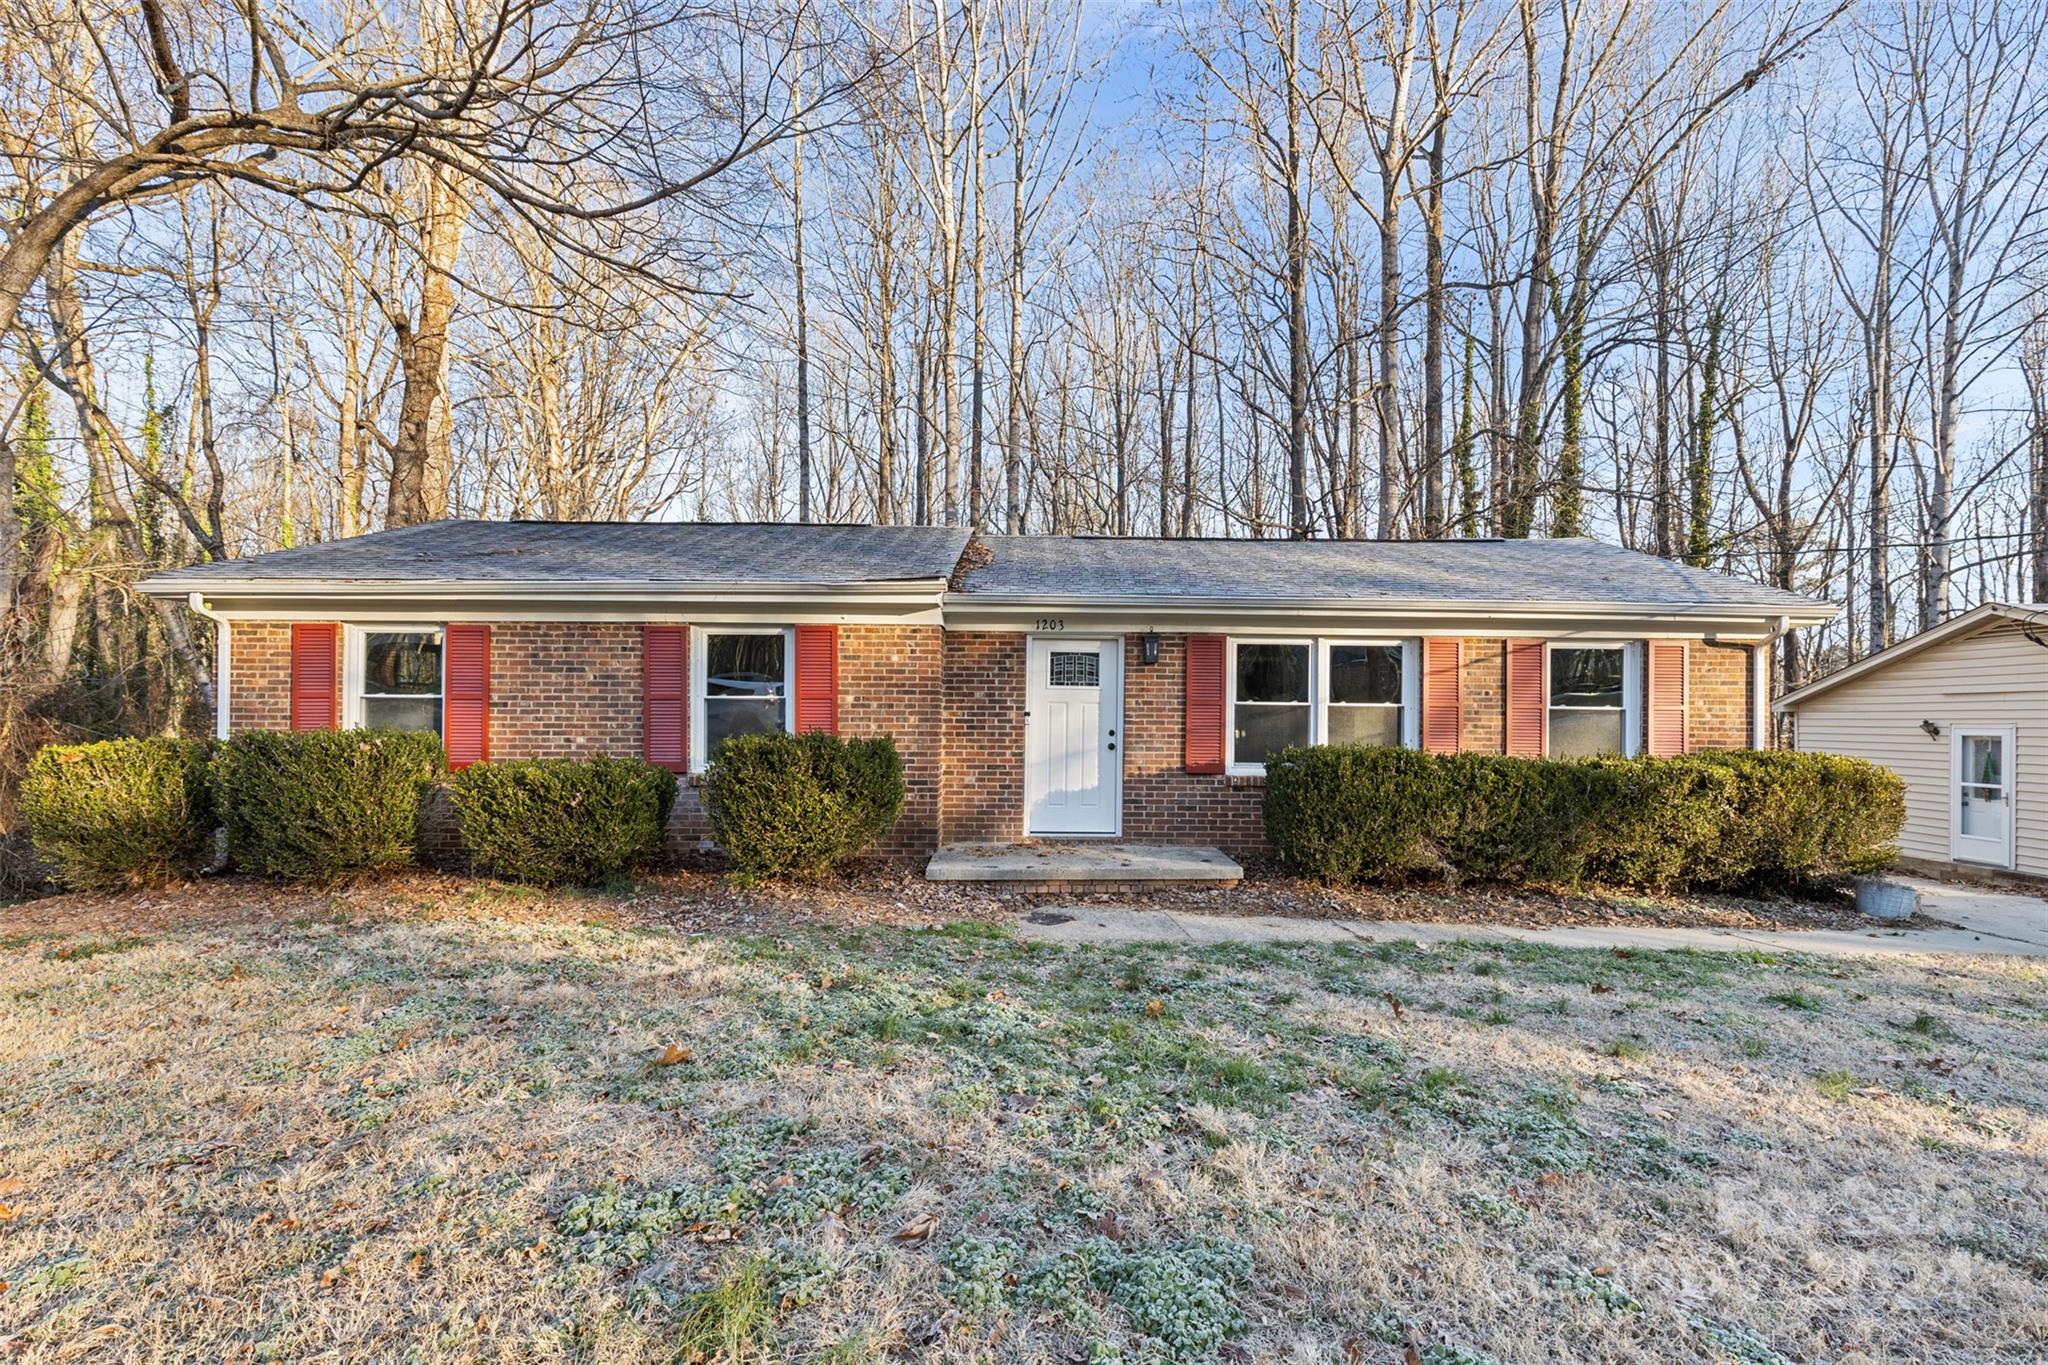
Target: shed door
(1981, 819)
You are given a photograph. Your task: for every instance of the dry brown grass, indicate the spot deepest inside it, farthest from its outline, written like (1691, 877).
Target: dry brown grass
(238, 1123)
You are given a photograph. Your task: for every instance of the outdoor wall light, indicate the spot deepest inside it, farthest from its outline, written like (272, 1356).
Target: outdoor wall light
(1933, 730)
(1148, 647)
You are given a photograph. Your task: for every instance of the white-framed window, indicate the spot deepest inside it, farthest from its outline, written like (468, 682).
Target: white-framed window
(1594, 692)
(1318, 690)
(740, 684)
(1371, 692)
(394, 677)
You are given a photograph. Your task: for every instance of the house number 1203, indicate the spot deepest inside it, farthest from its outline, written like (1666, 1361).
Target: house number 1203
(1051, 623)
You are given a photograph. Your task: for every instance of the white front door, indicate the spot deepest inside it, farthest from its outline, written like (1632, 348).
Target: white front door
(1981, 825)
(1073, 708)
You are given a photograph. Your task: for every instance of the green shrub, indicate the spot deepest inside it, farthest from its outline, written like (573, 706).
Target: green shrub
(1802, 817)
(556, 820)
(798, 805)
(1344, 813)
(1732, 819)
(315, 804)
(126, 812)
(1521, 819)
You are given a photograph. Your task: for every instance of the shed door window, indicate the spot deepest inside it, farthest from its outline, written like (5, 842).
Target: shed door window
(746, 686)
(1365, 694)
(401, 687)
(1271, 700)
(1588, 701)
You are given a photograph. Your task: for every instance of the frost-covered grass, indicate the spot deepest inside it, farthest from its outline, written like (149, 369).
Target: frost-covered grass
(453, 1133)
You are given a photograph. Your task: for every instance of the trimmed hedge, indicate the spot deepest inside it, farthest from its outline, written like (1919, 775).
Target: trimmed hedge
(126, 812)
(556, 820)
(314, 804)
(1722, 819)
(798, 805)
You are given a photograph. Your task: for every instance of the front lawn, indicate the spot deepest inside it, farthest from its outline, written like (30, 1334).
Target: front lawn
(434, 1123)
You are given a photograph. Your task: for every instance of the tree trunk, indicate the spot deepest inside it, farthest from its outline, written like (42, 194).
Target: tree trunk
(420, 456)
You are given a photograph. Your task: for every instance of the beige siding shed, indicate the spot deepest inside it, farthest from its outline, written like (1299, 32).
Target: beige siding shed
(1983, 671)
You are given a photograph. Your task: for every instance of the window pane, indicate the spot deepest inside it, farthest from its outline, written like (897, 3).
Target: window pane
(1984, 812)
(1981, 759)
(743, 665)
(1264, 730)
(402, 663)
(1272, 673)
(402, 713)
(1367, 673)
(1365, 725)
(725, 717)
(1582, 733)
(1585, 677)
(1076, 670)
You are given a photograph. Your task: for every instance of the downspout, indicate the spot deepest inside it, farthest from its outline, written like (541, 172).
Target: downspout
(196, 602)
(1760, 673)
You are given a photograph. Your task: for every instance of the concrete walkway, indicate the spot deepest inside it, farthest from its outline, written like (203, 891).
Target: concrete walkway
(1987, 923)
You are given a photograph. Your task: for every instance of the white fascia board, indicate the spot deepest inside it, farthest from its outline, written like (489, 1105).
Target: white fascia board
(1965, 624)
(926, 590)
(915, 603)
(1491, 620)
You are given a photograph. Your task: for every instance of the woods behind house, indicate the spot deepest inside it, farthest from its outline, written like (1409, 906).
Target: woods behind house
(1759, 286)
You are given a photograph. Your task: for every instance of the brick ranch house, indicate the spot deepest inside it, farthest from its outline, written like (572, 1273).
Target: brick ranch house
(1037, 686)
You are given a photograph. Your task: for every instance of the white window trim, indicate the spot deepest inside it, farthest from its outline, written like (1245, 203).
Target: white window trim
(698, 652)
(354, 646)
(1319, 690)
(1631, 690)
(1411, 686)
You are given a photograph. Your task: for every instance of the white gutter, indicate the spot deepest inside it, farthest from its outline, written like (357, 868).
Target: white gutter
(221, 660)
(1003, 604)
(918, 592)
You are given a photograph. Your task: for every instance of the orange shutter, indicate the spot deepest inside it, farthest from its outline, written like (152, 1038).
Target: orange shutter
(1528, 703)
(1441, 711)
(1204, 719)
(466, 707)
(817, 679)
(665, 696)
(316, 682)
(1667, 698)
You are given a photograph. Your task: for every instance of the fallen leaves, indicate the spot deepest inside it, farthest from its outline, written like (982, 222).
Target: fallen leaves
(675, 1056)
(918, 1230)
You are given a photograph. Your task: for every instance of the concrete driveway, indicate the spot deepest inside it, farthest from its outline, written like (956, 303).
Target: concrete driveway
(1985, 923)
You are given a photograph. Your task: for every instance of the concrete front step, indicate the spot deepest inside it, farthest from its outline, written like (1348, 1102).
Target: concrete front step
(1083, 866)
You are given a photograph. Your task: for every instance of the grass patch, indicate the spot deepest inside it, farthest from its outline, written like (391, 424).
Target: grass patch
(809, 1143)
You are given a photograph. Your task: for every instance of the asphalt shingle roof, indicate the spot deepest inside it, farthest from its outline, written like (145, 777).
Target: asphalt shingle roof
(1068, 568)
(1356, 571)
(572, 552)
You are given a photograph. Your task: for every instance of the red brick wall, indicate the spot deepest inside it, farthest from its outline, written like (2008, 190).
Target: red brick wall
(1719, 696)
(1483, 696)
(1163, 802)
(892, 681)
(954, 702)
(260, 676)
(982, 796)
(573, 689)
